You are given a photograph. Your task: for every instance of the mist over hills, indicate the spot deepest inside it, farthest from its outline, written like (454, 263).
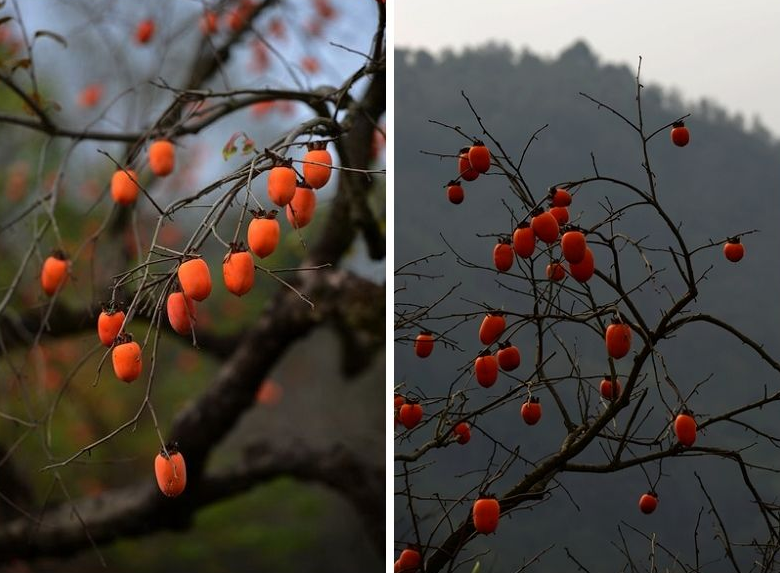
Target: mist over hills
(725, 181)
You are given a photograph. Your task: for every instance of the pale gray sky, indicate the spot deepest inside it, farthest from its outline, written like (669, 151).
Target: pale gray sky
(726, 50)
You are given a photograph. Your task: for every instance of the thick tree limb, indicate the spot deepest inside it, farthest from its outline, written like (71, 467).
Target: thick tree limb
(142, 509)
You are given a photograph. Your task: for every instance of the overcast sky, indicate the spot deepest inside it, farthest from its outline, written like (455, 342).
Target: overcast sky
(726, 50)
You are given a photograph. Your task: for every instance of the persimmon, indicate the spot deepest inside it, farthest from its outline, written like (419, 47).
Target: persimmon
(325, 9)
(54, 273)
(485, 514)
(555, 271)
(462, 432)
(398, 401)
(685, 428)
(410, 414)
(409, 560)
(317, 176)
(281, 184)
(181, 313)
(162, 157)
(195, 279)
(124, 190)
(90, 96)
(263, 233)
(734, 250)
(486, 369)
(276, 29)
(269, 393)
(561, 214)
(300, 211)
(208, 23)
(545, 226)
(573, 246)
(455, 193)
(583, 271)
(492, 327)
(508, 356)
(126, 358)
(680, 134)
(609, 388)
(144, 32)
(239, 16)
(531, 411)
(109, 324)
(465, 170)
(170, 471)
(524, 240)
(503, 255)
(238, 270)
(648, 502)
(618, 339)
(423, 344)
(560, 197)
(479, 157)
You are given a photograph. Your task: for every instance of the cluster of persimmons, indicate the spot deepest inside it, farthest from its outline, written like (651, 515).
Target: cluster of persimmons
(193, 275)
(548, 228)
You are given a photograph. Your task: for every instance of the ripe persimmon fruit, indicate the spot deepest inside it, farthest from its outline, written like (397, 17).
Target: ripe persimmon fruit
(162, 157)
(54, 273)
(531, 411)
(181, 313)
(300, 211)
(462, 431)
(648, 502)
(317, 176)
(618, 339)
(144, 32)
(479, 157)
(465, 170)
(263, 233)
(685, 428)
(170, 471)
(90, 96)
(281, 184)
(109, 324)
(508, 356)
(124, 190)
(492, 327)
(208, 23)
(398, 401)
(455, 193)
(409, 560)
(126, 358)
(486, 369)
(423, 344)
(503, 255)
(583, 271)
(734, 250)
(410, 414)
(485, 514)
(560, 197)
(195, 279)
(561, 214)
(545, 226)
(238, 270)
(609, 388)
(524, 240)
(680, 134)
(555, 271)
(573, 246)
